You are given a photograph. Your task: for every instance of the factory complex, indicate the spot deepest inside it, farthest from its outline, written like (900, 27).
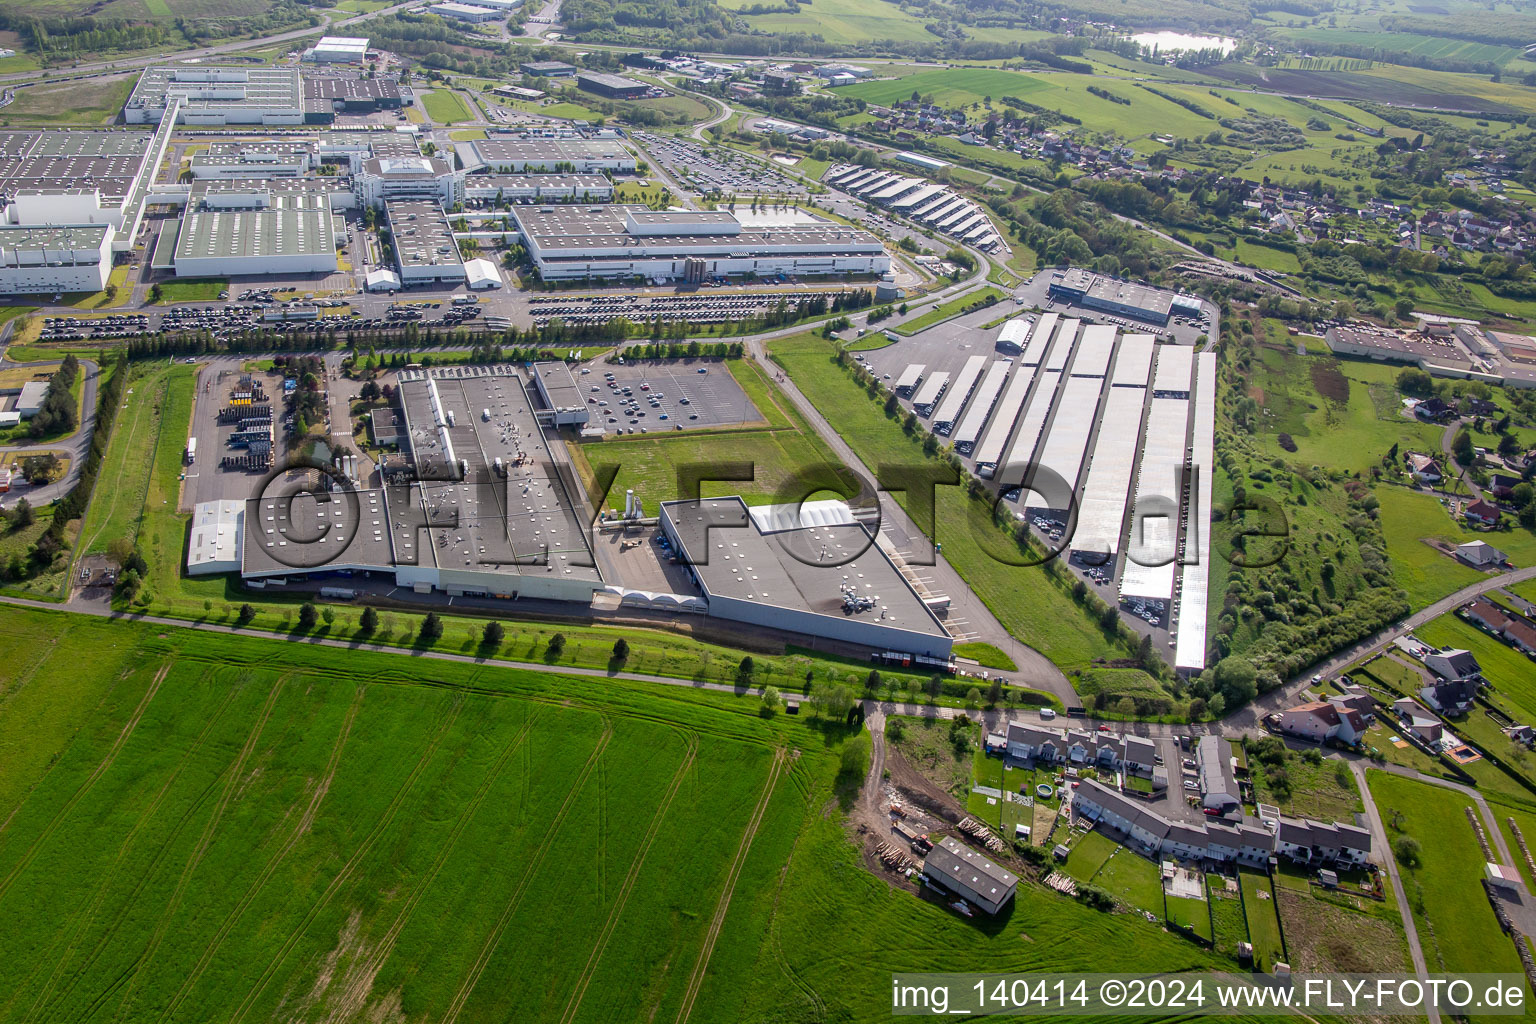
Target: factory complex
(480, 504)
(278, 203)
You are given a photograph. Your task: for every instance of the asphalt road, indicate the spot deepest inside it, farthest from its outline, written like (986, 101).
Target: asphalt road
(76, 444)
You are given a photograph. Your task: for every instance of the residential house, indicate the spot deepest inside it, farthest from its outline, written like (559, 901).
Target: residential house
(1482, 513)
(1480, 554)
(1314, 842)
(1424, 469)
(1418, 722)
(1521, 635)
(1449, 697)
(1502, 485)
(1487, 615)
(1453, 664)
(1079, 748)
(1433, 409)
(1251, 841)
(1218, 782)
(1521, 733)
(1321, 720)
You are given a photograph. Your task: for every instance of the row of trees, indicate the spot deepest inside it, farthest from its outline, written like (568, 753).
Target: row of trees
(58, 415)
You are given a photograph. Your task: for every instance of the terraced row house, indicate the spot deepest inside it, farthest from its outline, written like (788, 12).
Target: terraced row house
(1250, 841)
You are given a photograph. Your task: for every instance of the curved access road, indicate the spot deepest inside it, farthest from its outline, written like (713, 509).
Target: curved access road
(77, 445)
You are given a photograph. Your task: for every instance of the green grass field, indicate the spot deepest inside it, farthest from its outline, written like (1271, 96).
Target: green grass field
(89, 102)
(1263, 919)
(1132, 879)
(205, 828)
(445, 107)
(202, 290)
(1088, 855)
(1407, 42)
(1350, 428)
(947, 310)
(1456, 925)
(117, 504)
(1407, 519)
(1189, 912)
(1226, 914)
(1320, 791)
(841, 21)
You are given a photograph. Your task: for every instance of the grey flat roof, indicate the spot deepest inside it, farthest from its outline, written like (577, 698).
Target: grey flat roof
(347, 87)
(421, 234)
(308, 532)
(576, 182)
(502, 149)
(212, 87)
(48, 236)
(555, 229)
(289, 228)
(560, 385)
(106, 161)
(611, 81)
(802, 569)
(526, 523)
(681, 216)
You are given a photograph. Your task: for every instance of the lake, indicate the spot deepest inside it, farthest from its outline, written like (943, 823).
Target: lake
(1167, 42)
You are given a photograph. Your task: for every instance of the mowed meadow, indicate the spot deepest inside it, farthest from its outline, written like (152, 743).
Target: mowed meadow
(199, 827)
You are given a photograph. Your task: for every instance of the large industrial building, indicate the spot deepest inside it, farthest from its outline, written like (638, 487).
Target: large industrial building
(36, 259)
(425, 249)
(338, 50)
(465, 12)
(256, 230)
(383, 179)
(538, 188)
(233, 160)
(327, 96)
(71, 201)
(1106, 437)
(219, 95)
(614, 87)
(628, 242)
(482, 511)
(514, 155)
(811, 569)
(1111, 295)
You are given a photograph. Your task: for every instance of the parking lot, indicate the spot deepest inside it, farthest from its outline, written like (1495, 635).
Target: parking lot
(732, 173)
(694, 309)
(686, 395)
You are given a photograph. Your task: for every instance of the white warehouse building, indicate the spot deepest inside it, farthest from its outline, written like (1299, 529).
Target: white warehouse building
(38, 258)
(338, 50)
